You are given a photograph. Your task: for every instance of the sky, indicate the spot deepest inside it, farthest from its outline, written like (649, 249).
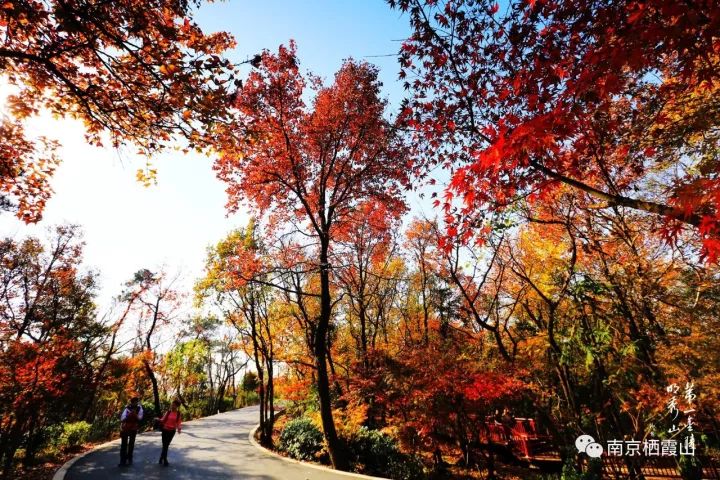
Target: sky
(127, 226)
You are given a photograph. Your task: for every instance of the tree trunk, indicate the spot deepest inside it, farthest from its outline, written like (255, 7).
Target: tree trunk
(34, 438)
(338, 456)
(253, 319)
(156, 392)
(270, 393)
(363, 331)
(10, 444)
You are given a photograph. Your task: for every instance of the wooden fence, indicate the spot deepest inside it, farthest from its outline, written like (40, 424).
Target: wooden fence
(528, 443)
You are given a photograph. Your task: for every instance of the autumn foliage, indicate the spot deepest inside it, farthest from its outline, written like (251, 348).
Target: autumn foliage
(309, 167)
(566, 275)
(134, 72)
(47, 334)
(614, 99)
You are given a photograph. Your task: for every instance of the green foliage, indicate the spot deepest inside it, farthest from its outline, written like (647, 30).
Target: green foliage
(185, 363)
(103, 428)
(376, 453)
(248, 398)
(74, 434)
(593, 472)
(227, 404)
(250, 382)
(196, 408)
(569, 472)
(301, 439)
(690, 467)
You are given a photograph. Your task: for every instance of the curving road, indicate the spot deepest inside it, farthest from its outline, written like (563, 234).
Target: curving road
(210, 448)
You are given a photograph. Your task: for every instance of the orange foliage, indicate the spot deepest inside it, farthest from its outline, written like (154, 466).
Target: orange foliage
(138, 72)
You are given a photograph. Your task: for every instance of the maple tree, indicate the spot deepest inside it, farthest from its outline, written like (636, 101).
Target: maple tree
(443, 406)
(156, 303)
(311, 166)
(421, 241)
(607, 305)
(593, 311)
(476, 279)
(134, 72)
(366, 278)
(614, 99)
(567, 314)
(231, 283)
(49, 338)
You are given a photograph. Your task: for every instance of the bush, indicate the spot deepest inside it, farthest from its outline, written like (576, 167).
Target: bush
(227, 404)
(194, 409)
(250, 382)
(74, 434)
(376, 453)
(301, 439)
(690, 467)
(103, 428)
(593, 472)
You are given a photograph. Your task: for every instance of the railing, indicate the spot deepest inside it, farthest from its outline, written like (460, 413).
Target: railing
(654, 467)
(522, 437)
(527, 442)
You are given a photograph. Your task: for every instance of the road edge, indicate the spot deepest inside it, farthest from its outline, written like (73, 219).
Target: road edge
(253, 442)
(62, 471)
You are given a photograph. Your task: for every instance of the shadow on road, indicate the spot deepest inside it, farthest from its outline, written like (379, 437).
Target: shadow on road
(210, 448)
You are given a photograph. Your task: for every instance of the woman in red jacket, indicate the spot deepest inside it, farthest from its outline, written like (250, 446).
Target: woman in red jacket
(170, 422)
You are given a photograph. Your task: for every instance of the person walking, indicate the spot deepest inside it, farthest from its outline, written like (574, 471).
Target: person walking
(170, 422)
(129, 425)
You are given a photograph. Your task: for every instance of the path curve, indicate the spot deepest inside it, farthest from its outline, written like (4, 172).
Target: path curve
(209, 448)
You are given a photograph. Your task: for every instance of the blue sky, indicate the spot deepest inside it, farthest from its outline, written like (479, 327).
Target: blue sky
(326, 32)
(127, 226)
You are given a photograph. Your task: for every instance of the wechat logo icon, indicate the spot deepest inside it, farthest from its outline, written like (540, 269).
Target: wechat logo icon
(587, 444)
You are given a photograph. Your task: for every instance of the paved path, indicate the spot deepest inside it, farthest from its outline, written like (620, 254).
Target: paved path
(214, 447)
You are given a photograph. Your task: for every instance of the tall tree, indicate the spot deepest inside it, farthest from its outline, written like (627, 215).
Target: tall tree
(49, 338)
(366, 277)
(157, 304)
(246, 304)
(310, 167)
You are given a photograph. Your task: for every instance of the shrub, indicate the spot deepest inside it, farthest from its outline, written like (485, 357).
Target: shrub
(301, 439)
(376, 453)
(593, 472)
(250, 382)
(690, 467)
(74, 434)
(227, 404)
(103, 428)
(195, 409)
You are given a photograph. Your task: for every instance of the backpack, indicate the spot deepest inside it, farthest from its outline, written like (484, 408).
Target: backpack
(130, 424)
